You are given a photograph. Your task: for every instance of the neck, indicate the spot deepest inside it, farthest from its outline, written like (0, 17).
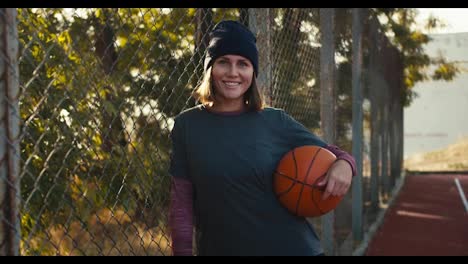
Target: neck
(228, 106)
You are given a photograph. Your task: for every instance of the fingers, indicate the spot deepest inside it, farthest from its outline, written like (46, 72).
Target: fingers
(323, 180)
(335, 187)
(329, 190)
(338, 180)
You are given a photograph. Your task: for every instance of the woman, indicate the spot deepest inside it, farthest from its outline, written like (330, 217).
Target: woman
(225, 151)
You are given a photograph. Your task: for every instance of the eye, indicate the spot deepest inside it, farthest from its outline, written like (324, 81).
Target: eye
(243, 64)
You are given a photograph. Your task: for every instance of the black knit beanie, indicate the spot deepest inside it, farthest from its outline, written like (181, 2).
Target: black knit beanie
(231, 37)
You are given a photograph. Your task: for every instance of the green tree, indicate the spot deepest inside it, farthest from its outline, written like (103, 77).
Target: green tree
(410, 41)
(100, 90)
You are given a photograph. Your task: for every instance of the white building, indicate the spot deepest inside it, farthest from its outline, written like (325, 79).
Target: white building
(438, 117)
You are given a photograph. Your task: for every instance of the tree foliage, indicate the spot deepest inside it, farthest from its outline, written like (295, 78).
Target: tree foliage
(100, 89)
(410, 42)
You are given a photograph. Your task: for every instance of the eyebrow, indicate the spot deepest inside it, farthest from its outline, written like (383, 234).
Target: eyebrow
(239, 60)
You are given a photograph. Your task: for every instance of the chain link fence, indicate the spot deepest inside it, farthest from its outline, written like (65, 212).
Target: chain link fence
(88, 99)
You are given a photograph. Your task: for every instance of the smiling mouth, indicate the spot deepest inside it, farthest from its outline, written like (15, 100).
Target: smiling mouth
(232, 84)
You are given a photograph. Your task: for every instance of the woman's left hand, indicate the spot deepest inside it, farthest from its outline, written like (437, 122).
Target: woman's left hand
(337, 180)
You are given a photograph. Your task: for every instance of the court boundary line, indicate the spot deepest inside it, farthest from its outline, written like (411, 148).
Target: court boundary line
(462, 194)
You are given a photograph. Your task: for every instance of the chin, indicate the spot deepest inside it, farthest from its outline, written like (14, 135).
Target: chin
(231, 96)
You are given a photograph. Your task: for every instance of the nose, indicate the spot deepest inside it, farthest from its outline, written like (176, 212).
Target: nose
(233, 71)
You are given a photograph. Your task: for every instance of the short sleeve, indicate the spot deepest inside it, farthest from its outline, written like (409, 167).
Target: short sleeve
(178, 163)
(298, 134)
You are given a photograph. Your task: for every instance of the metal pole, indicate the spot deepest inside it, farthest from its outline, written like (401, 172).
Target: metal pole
(9, 135)
(375, 115)
(357, 123)
(327, 106)
(259, 24)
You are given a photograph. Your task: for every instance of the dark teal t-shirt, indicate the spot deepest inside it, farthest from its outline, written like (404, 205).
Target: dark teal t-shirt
(230, 160)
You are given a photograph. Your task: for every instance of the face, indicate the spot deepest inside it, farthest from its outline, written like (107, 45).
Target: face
(232, 76)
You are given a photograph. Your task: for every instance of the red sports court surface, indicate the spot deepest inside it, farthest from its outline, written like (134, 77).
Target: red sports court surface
(427, 218)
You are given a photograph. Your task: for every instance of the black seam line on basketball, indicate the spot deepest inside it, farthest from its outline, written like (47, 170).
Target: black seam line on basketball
(295, 164)
(296, 180)
(316, 203)
(289, 188)
(293, 179)
(305, 180)
(314, 186)
(310, 165)
(295, 176)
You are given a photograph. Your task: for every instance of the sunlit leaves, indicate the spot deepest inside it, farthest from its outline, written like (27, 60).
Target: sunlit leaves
(446, 71)
(410, 42)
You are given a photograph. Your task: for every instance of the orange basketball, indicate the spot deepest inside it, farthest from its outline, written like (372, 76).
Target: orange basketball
(296, 177)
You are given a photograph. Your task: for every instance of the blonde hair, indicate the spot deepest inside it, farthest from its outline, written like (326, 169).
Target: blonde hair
(205, 92)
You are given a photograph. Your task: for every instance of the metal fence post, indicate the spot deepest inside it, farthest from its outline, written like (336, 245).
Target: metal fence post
(357, 123)
(385, 138)
(375, 116)
(259, 23)
(327, 106)
(9, 135)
